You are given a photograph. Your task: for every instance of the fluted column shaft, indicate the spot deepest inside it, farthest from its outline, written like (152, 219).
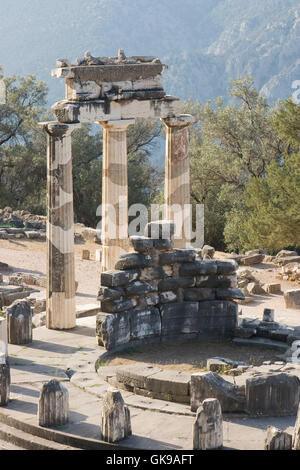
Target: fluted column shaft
(177, 175)
(61, 306)
(114, 234)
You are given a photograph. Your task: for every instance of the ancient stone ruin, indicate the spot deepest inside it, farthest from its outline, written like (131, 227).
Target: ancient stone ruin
(161, 292)
(112, 92)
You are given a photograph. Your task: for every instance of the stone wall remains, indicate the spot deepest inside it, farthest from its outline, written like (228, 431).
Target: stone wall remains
(161, 292)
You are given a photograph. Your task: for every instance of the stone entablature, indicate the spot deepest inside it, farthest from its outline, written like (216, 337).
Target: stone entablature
(161, 292)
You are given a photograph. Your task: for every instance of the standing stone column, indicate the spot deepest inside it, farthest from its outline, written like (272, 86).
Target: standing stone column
(61, 310)
(177, 174)
(114, 235)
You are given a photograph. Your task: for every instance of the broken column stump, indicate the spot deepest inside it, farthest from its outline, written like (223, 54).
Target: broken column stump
(19, 322)
(4, 381)
(296, 435)
(53, 409)
(208, 427)
(115, 417)
(277, 440)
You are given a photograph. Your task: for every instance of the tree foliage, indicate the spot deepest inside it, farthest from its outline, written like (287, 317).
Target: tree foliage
(230, 144)
(273, 207)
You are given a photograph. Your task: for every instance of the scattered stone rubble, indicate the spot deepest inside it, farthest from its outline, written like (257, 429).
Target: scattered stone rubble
(266, 329)
(22, 224)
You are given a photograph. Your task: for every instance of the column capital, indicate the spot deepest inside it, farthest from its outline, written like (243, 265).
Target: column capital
(58, 129)
(181, 121)
(120, 124)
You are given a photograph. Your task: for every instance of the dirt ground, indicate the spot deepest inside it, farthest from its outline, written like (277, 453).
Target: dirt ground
(190, 356)
(30, 256)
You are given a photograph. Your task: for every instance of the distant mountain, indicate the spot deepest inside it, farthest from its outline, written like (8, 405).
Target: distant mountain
(204, 42)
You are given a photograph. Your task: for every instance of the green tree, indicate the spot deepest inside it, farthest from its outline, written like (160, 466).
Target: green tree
(273, 205)
(287, 123)
(22, 144)
(228, 145)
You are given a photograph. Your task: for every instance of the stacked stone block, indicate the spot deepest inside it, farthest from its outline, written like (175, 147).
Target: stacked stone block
(159, 291)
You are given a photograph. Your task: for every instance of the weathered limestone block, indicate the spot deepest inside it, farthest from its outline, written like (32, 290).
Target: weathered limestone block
(113, 329)
(141, 244)
(273, 395)
(116, 278)
(285, 253)
(170, 384)
(216, 281)
(139, 288)
(160, 229)
(19, 322)
(274, 288)
(208, 427)
(198, 268)
(208, 251)
(109, 293)
(229, 293)
(134, 260)
(255, 288)
(115, 306)
(4, 380)
(241, 332)
(210, 385)
(178, 318)
(226, 267)
(218, 318)
(296, 434)
(168, 296)
(135, 376)
(149, 300)
(171, 283)
(53, 408)
(217, 365)
(177, 256)
(152, 274)
(252, 259)
(115, 417)
(277, 440)
(292, 298)
(195, 294)
(163, 244)
(269, 315)
(145, 322)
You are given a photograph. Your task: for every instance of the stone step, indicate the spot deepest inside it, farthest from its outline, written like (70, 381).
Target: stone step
(24, 440)
(8, 446)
